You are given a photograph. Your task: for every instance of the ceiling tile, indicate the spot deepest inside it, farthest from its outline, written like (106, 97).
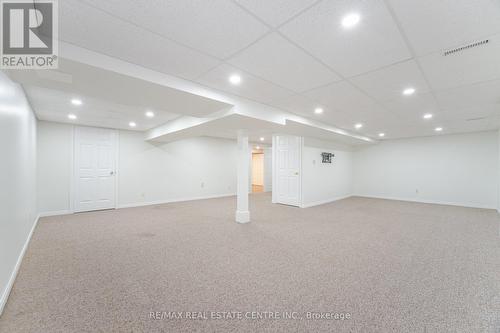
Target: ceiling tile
(411, 106)
(277, 60)
(390, 126)
(342, 96)
(345, 113)
(339, 120)
(376, 115)
(219, 28)
(374, 43)
(470, 96)
(108, 35)
(471, 106)
(432, 25)
(250, 86)
(388, 83)
(471, 113)
(465, 67)
(409, 129)
(343, 105)
(462, 126)
(298, 104)
(372, 123)
(275, 12)
(304, 106)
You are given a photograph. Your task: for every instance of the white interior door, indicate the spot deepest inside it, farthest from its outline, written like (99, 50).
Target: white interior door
(288, 168)
(95, 168)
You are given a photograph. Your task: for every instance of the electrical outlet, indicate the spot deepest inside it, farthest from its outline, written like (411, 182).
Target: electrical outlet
(416, 190)
(202, 184)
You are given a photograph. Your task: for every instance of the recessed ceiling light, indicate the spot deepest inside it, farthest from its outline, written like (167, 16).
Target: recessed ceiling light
(409, 91)
(132, 124)
(358, 126)
(438, 129)
(150, 114)
(428, 116)
(76, 101)
(261, 138)
(72, 116)
(381, 135)
(318, 110)
(235, 79)
(350, 20)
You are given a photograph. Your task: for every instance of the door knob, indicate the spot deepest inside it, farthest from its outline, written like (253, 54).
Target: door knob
(296, 173)
(111, 173)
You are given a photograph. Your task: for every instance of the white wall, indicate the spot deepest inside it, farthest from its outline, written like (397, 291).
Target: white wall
(451, 169)
(460, 169)
(17, 180)
(147, 172)
(325, 182)
(174, 171)
(55, 154)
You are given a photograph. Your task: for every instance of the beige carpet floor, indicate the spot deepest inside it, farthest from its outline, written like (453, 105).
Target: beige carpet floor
(392, 266)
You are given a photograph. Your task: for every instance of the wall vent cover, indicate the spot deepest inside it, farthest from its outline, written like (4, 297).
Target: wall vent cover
(466, 47)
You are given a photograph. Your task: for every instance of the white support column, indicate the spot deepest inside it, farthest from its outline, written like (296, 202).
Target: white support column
(243, 165)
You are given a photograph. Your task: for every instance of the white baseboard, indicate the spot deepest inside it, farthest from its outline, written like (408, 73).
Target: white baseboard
(55, 213)
(435, 202)
(10, 284)
(159, 202)
(322, 202)
(140, 204)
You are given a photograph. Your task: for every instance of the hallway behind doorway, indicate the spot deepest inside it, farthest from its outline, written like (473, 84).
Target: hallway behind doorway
(257, 171)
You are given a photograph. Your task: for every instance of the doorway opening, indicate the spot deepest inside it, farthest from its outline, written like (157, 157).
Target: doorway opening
(257, 170)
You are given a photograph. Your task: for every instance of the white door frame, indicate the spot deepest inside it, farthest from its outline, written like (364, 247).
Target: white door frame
(268, 151)
(275, 189)
(72, 191)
